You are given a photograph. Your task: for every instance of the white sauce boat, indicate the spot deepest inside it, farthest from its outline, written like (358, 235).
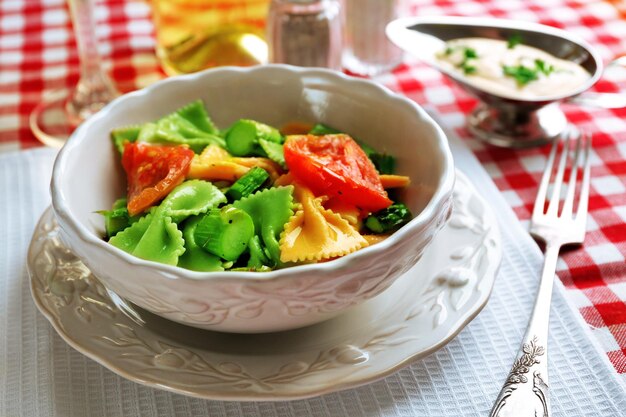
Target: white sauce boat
(500, 120)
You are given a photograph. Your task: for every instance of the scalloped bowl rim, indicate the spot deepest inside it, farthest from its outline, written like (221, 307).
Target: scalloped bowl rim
(427, 214)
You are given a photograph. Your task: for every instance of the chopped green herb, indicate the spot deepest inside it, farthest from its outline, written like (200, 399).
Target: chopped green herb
(544, 67)
(469, 53)
(523, 75)
(468, 69)
(514, 40)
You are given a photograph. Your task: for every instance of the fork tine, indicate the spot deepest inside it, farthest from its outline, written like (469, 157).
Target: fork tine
(583, 203)
(545, 180)
(553, 207)
(571, 187)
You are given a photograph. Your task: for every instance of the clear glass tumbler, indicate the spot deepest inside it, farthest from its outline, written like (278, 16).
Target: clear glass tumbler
(367, 51)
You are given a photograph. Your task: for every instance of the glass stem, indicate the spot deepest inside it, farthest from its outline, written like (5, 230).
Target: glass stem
(94, 89)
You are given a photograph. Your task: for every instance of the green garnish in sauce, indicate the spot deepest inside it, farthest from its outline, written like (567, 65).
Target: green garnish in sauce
(513, 40)
(523, 75)
(468, 54)
(544, 67)
(468, 69)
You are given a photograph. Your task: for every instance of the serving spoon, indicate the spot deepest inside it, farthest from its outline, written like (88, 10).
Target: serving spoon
(500, 120)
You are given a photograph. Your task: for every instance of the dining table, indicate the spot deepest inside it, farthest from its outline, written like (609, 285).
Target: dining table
(40, 374)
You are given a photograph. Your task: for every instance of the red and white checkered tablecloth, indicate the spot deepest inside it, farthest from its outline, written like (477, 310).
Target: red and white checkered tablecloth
(37, 53)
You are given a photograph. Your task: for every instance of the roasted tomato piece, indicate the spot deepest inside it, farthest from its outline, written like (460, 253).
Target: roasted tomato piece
(335, 165)
(152, 171)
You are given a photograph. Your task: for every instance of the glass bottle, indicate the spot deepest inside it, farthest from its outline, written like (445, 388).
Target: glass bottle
(306, 33)
(196, 34)
(367, 51)
(59, 112)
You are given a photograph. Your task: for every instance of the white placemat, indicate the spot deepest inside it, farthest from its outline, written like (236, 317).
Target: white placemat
(40, 375)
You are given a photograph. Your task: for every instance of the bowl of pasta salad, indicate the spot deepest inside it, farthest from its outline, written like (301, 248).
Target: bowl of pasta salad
(253, 199)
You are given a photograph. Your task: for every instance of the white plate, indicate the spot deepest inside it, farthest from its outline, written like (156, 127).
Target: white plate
(417, 315)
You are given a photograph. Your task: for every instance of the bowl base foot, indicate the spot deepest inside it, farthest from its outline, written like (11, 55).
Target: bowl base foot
(509, 127)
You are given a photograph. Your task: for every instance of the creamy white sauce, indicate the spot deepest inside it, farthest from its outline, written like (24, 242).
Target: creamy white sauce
(486, 71)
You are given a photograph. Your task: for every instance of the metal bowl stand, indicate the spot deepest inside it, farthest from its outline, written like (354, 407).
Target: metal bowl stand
(512, 126)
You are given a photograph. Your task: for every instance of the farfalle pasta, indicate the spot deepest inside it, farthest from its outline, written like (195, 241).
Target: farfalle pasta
(315, 233)
(249, 197)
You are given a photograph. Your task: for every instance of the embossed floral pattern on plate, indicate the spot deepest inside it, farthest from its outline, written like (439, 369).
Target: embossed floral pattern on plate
(418, 314)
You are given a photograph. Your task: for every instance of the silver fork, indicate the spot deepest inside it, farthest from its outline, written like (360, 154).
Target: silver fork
(520, 397)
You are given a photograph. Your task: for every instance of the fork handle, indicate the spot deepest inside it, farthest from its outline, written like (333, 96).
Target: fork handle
(525, 391)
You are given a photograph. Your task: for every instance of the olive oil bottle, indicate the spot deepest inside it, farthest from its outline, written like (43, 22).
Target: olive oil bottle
(193, 35)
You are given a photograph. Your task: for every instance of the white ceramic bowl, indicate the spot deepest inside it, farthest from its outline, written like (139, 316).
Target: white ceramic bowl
(87, 177)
